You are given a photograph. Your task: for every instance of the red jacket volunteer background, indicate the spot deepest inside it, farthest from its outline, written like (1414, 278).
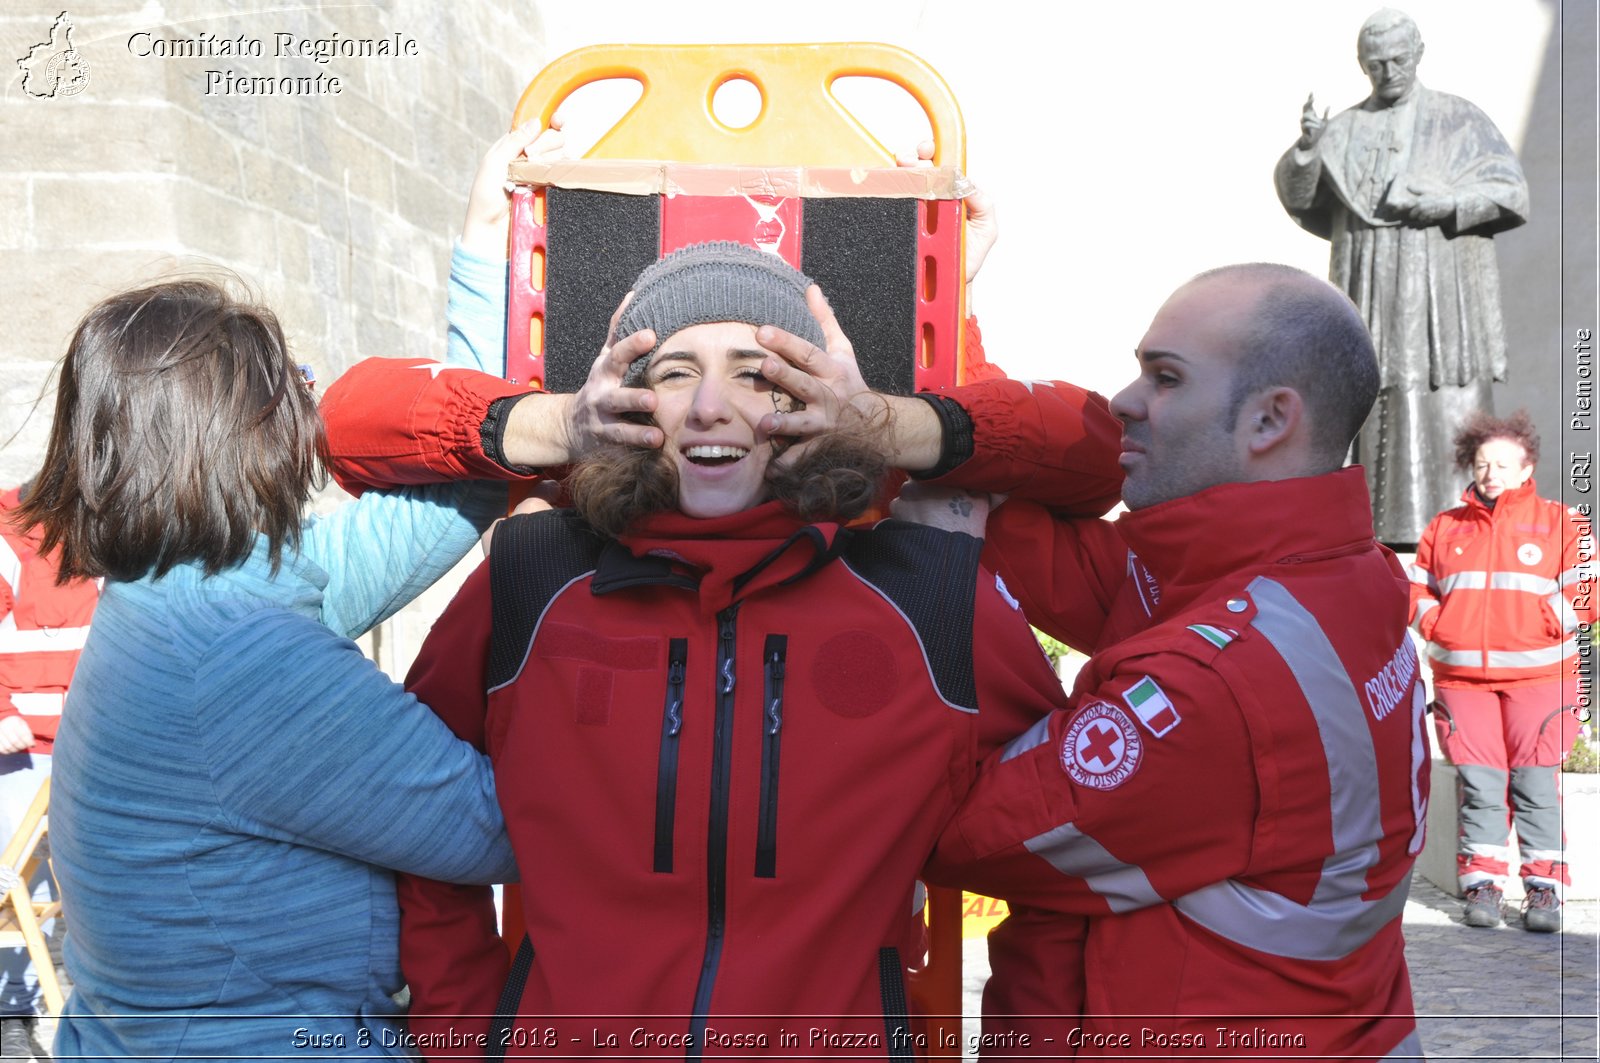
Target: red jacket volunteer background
(42, 628)
(1496, 592)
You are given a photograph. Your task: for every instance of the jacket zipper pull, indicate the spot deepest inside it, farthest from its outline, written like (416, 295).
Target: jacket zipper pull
(675, 677)
(775, 707)
(727, 653)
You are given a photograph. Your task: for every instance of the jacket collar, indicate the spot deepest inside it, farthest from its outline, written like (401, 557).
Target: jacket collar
(722, 559)
(1190, 543)
(1513, 499)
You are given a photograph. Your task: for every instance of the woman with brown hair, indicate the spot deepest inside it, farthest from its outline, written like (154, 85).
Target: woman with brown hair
(233, 778)
(1496, 593)
(726, 727)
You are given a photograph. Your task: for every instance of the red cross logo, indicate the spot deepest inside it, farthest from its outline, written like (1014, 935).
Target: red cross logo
(1101, 748)
(1100, 743)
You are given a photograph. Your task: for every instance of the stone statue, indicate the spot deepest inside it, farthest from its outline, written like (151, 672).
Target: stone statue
(1410, 186)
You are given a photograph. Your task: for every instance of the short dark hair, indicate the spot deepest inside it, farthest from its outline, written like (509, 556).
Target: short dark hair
(837, 478)
(1480, 427)
(182, 430)
(1305, 334)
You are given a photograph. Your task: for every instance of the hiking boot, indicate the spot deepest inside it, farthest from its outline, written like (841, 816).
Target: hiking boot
(15, 1042)
(1483, 905)
(1541, 910)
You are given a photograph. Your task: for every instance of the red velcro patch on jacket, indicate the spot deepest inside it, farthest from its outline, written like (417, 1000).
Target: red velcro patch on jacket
(574, 643)
(854, 674)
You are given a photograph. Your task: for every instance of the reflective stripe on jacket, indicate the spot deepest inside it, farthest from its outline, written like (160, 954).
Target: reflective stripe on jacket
(1499, 593)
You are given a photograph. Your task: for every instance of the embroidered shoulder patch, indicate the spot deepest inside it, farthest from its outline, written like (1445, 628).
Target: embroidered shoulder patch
(1102, 748)
(1151, 704)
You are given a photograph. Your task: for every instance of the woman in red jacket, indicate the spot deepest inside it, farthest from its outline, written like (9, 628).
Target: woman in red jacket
(1498, 592)
(726, 728)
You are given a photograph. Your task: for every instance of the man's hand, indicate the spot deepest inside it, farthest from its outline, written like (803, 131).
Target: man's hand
(983, 222)
(545, 429)
(1311, 126)
(488, 218)
(599, 409)
(542, 496)
(905, 428)
(945, 508)
(825, 381)
(15, 735)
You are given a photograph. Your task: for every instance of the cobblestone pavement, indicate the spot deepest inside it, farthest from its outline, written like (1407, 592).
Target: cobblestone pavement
(1501, 994)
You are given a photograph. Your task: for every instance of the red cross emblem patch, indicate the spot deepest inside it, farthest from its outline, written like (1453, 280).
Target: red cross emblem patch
(1102, 748)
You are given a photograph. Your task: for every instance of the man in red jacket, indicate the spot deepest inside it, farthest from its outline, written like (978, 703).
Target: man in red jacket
(1209, 851)
(42, 627)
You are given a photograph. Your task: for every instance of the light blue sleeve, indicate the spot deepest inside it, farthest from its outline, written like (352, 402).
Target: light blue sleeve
(387, 547)
(476, 312)
(309, 743)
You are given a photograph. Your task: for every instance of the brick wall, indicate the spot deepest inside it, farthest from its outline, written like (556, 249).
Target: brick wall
(338, 209)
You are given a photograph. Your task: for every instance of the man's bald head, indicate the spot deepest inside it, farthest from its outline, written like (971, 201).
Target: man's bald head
(1303, 333)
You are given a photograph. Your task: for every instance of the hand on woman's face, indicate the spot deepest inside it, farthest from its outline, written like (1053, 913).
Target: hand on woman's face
(710, 399)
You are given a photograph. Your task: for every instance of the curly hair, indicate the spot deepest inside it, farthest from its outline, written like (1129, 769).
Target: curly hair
(182, 430)
(836, 478)
(1480, 428)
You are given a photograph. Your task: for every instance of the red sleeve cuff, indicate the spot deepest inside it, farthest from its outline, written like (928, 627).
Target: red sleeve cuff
(398, 421)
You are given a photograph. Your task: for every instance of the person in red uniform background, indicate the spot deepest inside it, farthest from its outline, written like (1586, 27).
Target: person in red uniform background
(1495, 591)
(42, 627)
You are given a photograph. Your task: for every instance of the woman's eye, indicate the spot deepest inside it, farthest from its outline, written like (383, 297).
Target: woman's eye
(1166, 380)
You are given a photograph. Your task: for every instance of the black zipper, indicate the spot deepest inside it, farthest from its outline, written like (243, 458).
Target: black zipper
(717, 836)
(667, 761)
(772, 655)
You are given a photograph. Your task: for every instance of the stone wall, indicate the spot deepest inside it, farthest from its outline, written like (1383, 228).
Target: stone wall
(338, 208)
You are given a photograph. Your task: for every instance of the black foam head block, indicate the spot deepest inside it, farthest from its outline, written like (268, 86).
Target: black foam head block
(596, 244)
(863, 252)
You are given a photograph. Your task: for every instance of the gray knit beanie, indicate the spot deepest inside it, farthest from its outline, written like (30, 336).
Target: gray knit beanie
(717, 281)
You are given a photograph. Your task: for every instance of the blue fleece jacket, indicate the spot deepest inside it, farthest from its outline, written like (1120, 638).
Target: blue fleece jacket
(233, 779)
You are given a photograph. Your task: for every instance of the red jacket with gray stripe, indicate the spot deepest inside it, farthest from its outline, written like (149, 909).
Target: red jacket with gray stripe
(42, 628)
(1497, 592)
(724, 749)
(1236, 797)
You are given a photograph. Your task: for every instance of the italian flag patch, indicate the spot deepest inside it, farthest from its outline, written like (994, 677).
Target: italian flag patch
(1217, 636)
(1151, 704)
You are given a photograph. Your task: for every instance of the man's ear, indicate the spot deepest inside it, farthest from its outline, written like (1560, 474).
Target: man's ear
(1271, 418)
